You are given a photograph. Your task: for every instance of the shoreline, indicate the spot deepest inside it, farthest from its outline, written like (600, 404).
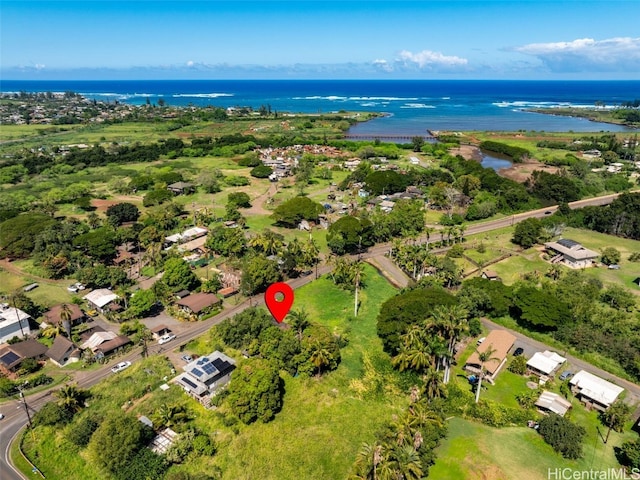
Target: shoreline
(584, 114)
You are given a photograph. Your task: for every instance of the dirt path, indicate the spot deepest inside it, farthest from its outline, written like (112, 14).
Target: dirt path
(11, 268)
(257, 204)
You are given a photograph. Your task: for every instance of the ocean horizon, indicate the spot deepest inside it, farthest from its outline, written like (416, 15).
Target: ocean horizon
(410, 107)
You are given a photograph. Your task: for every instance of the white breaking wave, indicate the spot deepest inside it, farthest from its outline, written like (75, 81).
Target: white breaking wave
(529, 104)
(417, 105)
(203, 95)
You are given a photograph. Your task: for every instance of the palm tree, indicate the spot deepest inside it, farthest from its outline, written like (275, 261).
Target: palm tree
(484, 357)
(144, 336)
(299, 320)
(71, 397)
(65, 319)
(153, 254)
(406, 463)
(168, 415)
(367, 461)
(433, 386)
(320, 357)
(450, 321)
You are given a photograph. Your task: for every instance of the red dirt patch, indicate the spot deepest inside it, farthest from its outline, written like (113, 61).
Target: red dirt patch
(521, 172)
(102, 205)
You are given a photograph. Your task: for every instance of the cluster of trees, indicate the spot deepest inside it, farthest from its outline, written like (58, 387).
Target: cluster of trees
(403, 449)
(564, 436)
(518, 154)
(290, 213)
(620, 218)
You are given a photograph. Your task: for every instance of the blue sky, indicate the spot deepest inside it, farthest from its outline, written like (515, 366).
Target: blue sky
(209, 39)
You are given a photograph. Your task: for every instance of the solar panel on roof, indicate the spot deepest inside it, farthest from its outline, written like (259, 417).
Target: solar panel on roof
(222, 365)
(202, 361)
(209, 368)
(197, 372)
(8, 358)
(189, 382)
(565, 242)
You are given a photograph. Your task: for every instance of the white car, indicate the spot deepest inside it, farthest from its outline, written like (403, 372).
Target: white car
(166, 338)
(76, 287)
(1, 416)
(120, 366)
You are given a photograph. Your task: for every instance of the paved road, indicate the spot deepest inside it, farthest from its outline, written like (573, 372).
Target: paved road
(16, 416)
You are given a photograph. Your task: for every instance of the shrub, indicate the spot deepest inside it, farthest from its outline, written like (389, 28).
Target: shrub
(518, 365)
(565, 437)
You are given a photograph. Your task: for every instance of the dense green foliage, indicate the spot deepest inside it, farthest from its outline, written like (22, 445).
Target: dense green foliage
(258, 273)
(564, 436)
(18, 234)
(292, 212)
(179, 276)
(349, 235)
(518, 154)
(122, 212)
(256, 391)
(399, 313)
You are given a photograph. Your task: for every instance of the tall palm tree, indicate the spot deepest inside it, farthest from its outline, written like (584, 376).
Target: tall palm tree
(65, 319)
(367, 461)
(433, 386)
(449, 321)
(484, 357)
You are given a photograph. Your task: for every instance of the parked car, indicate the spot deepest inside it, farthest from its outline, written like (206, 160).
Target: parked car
(518, 351)
(548, 212)
(166, 338)
(92, 313)
(1, 416)
(120, 366)
(187, 358)
(565, 375)
(480, 340)
(76, 287)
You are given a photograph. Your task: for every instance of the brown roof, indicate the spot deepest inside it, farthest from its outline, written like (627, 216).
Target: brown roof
(490, 274)
(52, 317)
(111, 345)
(198, 301)
(29, 348)
(160, 328)
(225, 292)
(61, 345)
(499, 340)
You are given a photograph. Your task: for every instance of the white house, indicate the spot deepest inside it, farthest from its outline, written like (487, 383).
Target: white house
(594, 391)
(545, 363)
(189, 234)
(571, 253)
(13, 323)
(204, 375)
(552, 402)
(100, 298)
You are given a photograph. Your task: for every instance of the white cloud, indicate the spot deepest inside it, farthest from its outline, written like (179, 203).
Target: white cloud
(39, 66)
(190, 63)
(587, 54)
(430, 59)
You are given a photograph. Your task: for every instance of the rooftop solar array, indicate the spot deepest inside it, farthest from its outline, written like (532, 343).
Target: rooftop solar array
(8, 358)
(197, 372)
(565, 242)
(186, 380)
(223, 366)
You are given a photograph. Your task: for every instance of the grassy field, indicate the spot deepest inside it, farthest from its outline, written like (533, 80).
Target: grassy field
(316, 435)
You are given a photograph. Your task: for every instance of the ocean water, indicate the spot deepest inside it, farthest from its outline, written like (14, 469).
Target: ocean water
(411, 107)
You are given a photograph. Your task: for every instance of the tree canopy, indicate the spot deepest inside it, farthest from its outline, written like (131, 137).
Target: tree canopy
(350, 234)
(292, 212)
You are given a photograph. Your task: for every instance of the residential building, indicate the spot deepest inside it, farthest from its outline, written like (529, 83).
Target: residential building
(594, 391)
(571, 253)
(490, 275)
(545, 363)
(52, 317)
(63, 352)
(13, 323)
(189, 234)
(12, 356)
(101, 299)
(199, 303)
(552, 402)
(205, 375)
(500, 342)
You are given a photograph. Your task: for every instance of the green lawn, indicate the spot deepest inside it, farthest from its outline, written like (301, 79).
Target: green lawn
(322, 424)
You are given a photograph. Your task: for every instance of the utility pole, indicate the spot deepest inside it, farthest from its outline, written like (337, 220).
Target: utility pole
(26, 408)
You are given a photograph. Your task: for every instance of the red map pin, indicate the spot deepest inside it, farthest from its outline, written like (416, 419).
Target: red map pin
(279, 298)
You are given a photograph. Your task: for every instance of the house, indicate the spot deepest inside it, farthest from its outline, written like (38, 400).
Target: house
(63, 352)
(111, 346)
(12, 356)
(545, 363)
(53, 316)
(199, 303)
(205, 375)
(101, 299)
(187, 235)
(97, 338)
(490, 275)
(593, 391)
(227, 291)
(159, 331)
(500, 341)
(181, 188)
(552, 402)
(194, 246)
(13, 323)
(571, 253)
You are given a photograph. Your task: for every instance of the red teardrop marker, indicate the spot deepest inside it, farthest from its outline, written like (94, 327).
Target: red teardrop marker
(279, 309)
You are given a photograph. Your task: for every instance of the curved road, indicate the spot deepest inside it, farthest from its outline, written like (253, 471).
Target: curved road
(16, 418)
